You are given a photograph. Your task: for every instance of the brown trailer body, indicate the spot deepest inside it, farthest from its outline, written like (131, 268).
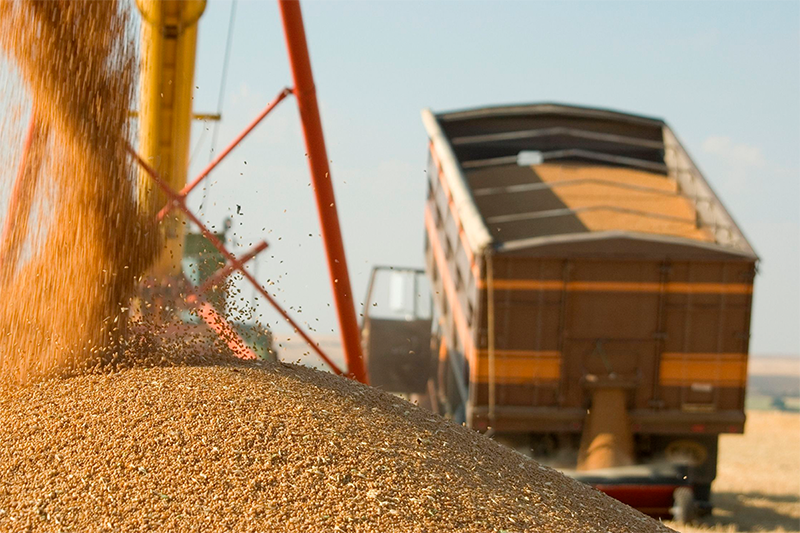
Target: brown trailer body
(570, 248)
(672, 332)
(575, 250)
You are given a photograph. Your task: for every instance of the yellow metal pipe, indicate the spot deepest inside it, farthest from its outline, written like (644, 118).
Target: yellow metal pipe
(168, 45)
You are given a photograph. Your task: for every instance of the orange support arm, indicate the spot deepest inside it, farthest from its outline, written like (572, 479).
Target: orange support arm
(323, 188)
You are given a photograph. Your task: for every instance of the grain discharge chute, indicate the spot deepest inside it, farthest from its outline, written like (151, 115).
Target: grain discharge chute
(591, 296)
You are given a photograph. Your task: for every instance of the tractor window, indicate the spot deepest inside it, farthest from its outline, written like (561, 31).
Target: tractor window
(400, 294)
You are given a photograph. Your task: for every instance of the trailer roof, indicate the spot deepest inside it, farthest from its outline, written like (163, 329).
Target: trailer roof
(526, 178)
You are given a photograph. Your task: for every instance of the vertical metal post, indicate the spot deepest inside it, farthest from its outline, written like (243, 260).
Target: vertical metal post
(660, 334)
(563, 386)
(323, 188)
(721, 315)
(687, 330)
(750, 279)
(415, 295)
(490, 334)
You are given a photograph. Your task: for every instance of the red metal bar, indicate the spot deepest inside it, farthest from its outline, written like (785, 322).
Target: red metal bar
(652, 499)
(21, 199)
(206, 171)
(219, 324)
(222, 328)
(306, 96)
(177, 200)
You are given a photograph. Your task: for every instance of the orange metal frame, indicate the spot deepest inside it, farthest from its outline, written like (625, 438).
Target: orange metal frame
(21, 199)
(177, 200)
(305, 93)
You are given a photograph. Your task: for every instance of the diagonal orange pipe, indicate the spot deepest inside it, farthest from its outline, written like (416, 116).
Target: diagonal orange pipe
(306, 96)
(21, 199)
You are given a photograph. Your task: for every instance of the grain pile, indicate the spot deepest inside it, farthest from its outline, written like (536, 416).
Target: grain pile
(65, 284)
(273, 447)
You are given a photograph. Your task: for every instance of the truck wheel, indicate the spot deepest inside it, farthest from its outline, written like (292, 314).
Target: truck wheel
(702, 500)
(683, 505)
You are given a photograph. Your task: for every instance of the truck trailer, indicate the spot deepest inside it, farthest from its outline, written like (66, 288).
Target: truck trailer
(591, 299)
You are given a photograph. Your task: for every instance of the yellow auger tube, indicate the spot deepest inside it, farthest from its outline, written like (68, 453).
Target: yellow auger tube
(168, 46)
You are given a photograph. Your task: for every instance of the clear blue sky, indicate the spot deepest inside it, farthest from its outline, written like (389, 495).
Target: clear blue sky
(725, 75)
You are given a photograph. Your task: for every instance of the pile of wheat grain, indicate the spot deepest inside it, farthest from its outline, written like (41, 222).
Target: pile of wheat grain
(270, 447)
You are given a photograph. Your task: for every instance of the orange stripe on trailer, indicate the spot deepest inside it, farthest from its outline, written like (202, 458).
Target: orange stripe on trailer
(719, 373)
(618, 286)
(520, 370)
(614, 286)
(702, 356)
(524, 284)
(462, 328)
(462, 236)
(706, 288)
(522, 354)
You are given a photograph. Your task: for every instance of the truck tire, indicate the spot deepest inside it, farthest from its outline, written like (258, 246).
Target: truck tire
(702, 500)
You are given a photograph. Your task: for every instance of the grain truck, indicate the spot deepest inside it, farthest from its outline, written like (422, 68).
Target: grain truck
(586, 299)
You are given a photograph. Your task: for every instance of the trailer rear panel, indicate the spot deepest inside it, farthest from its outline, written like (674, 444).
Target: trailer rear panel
(608, 257)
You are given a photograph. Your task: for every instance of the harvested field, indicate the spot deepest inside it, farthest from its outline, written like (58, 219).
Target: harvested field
(268, 447)
(758, 483)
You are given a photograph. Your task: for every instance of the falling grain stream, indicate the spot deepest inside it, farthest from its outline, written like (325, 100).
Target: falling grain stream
(63, 305)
